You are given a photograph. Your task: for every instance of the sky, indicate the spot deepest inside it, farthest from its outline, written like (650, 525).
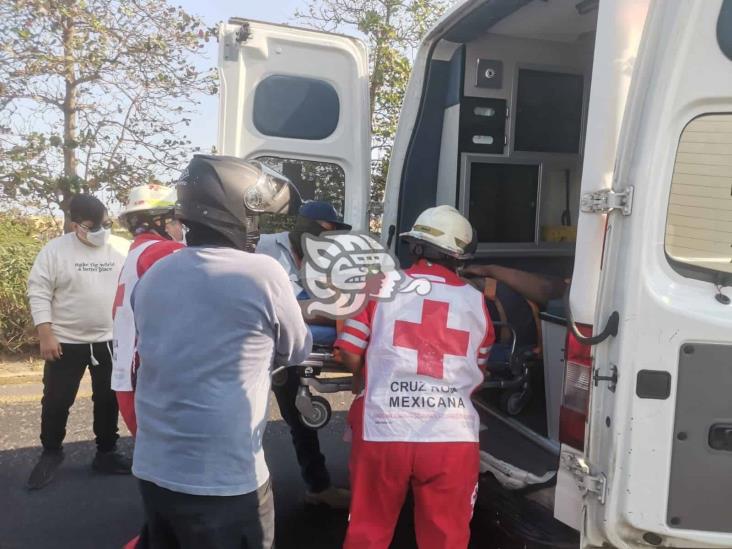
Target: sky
(204, 123)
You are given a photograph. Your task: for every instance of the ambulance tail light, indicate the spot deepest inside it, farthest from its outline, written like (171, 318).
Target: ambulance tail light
(576, 391)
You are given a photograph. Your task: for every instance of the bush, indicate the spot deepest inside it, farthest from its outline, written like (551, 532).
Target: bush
(21, 238)
(16, 326)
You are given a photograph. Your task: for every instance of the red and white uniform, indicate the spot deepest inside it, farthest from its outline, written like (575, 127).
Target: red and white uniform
(415, 422)
(146, 249)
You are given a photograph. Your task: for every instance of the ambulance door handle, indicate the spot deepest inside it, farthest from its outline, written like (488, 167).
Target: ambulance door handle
(610, 329)
(390, 239)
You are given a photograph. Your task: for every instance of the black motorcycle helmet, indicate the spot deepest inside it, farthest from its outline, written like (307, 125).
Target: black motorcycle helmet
(226, 194)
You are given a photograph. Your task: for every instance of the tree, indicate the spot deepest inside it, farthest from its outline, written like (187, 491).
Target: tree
(393, 29)
(94, 95)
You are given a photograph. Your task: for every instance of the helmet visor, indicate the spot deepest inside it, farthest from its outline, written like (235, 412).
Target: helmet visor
(270, 194)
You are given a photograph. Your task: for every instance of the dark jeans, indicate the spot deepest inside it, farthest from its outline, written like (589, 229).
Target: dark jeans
(183, 521)
(61, 380)
(305, 440)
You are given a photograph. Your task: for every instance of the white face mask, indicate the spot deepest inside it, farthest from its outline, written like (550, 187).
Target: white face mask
(99, 237)
(184, 231)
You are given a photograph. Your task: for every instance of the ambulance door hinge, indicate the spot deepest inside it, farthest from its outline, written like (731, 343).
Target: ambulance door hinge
(607, 200)
(244, 33)
(587, 483)
(234, 40)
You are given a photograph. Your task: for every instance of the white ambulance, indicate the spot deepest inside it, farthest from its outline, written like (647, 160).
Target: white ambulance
(584, 139)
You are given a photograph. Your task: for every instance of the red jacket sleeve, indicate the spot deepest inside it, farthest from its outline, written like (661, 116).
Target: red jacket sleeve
(354, 337)
(156, 252)
(126, 402)
(488, 339)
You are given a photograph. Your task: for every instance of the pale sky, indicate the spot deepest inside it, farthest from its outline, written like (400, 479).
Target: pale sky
(203, 125)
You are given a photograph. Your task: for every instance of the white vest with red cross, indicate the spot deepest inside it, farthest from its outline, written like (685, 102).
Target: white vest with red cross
(124, 345)
(422, 365)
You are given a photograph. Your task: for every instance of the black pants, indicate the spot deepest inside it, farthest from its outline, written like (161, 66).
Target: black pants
(305, 440)
(61, 379)
(183, 521)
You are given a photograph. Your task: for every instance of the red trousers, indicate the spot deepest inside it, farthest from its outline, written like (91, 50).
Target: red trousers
(443, 477)
(126, 402)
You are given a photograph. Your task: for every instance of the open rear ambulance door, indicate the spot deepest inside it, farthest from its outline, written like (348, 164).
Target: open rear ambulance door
(656, 469)
(295, 94)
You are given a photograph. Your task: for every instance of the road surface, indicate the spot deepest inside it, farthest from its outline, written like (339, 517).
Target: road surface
(85, 510)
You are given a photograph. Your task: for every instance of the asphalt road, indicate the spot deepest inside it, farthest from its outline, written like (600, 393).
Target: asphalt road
(82, 509)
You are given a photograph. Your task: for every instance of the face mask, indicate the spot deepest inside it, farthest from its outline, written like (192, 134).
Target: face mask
(302, 226)
(99, 237)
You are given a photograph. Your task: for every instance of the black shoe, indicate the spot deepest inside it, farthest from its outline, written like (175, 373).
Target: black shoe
(112, 463)
(45, 469)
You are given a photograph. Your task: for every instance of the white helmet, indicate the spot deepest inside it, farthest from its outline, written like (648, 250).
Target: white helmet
(150, 197)
(443, 228)
(149, 201)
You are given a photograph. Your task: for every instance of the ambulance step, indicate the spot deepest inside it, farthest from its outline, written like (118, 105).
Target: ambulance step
(507, 444)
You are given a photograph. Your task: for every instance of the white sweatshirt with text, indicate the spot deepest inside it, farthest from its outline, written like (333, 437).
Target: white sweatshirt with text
(73, 285)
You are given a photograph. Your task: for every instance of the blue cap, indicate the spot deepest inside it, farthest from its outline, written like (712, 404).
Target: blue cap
(319, 210)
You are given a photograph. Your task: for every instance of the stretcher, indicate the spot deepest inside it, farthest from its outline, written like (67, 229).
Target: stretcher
(317, 374)
(322, 372)
(508, 370)
(510, 364)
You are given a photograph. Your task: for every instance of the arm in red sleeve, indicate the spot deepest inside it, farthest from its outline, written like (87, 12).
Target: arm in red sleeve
(356, 332)
(156, 252)
(488, 339)
(126, 401)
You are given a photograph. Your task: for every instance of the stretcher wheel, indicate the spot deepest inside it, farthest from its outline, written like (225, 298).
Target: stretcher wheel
(320, 416)
(280, 378)
(513, 403)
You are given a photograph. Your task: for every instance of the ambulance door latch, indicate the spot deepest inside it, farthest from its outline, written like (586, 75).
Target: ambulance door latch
(612, 379)
(607, 200)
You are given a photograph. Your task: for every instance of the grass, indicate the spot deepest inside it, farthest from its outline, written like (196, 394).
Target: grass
(20, 367)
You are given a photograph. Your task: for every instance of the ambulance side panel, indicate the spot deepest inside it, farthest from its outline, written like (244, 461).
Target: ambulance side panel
(661, 434)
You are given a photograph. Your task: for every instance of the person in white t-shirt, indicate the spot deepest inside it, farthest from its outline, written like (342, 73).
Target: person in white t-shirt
(71, 289)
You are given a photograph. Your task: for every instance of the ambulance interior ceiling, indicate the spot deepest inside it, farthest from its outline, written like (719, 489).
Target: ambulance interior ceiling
(508, 87)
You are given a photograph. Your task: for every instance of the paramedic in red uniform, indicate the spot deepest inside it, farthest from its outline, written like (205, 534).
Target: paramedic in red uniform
(149, 216)
(414, 423)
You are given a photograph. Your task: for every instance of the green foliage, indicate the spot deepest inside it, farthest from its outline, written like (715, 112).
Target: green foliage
(94, 95)
(20, 240)
(393, 29)
(16, 326)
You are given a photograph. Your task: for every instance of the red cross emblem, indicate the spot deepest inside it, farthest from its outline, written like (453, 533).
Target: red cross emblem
(431, 338)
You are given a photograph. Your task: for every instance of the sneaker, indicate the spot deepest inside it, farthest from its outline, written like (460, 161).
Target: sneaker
(112, 463)
(335, 498)
(45, 469)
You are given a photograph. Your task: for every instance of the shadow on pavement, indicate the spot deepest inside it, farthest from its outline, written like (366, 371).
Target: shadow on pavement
(86, 510)
(83, 509)
(80, 508)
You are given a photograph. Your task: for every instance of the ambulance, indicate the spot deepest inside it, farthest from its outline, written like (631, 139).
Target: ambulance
(584, 139)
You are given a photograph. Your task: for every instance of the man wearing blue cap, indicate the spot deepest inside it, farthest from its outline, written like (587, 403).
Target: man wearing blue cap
(314, 217)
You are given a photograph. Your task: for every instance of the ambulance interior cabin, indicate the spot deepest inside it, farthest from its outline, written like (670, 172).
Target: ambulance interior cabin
(500, 135)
